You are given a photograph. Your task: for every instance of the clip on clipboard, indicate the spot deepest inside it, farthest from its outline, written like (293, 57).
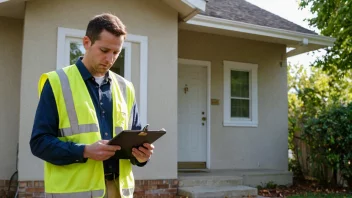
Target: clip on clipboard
(129, 139)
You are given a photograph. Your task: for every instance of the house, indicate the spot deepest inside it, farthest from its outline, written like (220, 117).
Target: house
(212, 73)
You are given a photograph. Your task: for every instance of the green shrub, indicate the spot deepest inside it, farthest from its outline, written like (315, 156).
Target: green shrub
(330, 138)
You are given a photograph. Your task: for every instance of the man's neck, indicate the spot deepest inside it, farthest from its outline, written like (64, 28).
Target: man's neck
(90, 69)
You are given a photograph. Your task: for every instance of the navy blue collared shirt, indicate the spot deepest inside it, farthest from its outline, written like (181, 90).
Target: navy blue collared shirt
(44, 142)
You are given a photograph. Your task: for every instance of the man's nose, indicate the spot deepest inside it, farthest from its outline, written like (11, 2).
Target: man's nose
(109, 58)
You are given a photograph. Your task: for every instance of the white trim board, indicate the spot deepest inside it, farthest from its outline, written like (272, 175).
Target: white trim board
(236, 26)
(143, 74)
(64, 33)
(128, 60)
(208, 65)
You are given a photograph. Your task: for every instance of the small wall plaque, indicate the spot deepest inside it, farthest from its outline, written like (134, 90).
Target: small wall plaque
(215, 101)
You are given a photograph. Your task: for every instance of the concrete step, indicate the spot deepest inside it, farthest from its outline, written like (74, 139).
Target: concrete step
(192, 181)
(218, 191)
(254, 179)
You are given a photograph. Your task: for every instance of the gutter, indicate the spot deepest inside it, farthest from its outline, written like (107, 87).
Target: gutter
(302, 39)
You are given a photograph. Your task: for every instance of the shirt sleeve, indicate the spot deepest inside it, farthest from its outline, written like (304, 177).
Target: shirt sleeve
(44, 142)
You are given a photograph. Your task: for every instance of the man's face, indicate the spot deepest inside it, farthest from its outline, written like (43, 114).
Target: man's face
(103, 53)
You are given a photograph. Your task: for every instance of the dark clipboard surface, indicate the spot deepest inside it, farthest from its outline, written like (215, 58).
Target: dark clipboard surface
(129, 139)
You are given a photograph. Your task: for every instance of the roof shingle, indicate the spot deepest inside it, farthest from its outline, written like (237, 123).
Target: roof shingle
(243, 11)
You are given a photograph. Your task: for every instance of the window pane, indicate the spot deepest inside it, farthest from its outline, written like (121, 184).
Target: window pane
(119, 65)
(240, 84)
(240, 108)
(76, 50)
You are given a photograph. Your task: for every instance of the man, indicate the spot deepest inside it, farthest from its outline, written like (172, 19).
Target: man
(81, 107)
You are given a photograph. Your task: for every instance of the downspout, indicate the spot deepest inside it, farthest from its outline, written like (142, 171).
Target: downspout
(300, 47)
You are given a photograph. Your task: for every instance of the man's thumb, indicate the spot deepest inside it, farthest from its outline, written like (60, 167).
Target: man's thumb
(104, 141)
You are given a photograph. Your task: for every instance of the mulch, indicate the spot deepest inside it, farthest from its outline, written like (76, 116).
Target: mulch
(302, 187)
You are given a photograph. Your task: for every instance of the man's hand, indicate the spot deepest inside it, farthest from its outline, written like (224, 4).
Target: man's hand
(100, 151)
(143, 153)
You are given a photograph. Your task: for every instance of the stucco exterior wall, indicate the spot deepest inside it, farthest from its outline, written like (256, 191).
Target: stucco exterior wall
(262, 147)
(10, 65)
(151, 18)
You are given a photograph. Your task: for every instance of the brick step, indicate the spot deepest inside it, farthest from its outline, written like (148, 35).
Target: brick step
(218, 192)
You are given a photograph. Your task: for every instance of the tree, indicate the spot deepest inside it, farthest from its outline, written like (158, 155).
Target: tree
(310, 96)
(333, 18)
(75, 52)
(330, 138)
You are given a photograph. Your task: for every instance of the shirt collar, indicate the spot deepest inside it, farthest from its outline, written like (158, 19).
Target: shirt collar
(85, 73)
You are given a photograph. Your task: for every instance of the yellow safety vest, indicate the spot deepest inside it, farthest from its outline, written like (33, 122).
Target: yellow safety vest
(78, 123)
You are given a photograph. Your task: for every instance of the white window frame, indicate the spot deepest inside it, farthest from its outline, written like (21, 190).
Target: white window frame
(252, 121)
(67, 35)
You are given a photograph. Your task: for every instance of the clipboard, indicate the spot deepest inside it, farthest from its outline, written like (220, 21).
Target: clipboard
(129, 139)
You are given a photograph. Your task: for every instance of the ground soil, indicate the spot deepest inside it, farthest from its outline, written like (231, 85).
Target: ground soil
(302, 187)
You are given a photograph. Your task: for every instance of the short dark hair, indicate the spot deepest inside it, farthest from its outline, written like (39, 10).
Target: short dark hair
(105, 21)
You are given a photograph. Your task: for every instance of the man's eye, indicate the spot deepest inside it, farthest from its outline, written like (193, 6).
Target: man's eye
(104, 50)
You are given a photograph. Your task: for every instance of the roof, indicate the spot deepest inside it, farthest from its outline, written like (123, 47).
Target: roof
(242, 11)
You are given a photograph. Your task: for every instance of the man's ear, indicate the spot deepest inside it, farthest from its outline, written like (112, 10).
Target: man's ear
(86, 42)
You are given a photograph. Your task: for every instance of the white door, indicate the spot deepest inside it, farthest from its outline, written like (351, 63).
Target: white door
(192, 112)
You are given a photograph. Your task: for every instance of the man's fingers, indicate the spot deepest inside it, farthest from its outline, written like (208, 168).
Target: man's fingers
(117, 148)
(106, 153)
(148, 146)
(111, 147)
(104, 141)
(146, 151)
(138, 152)
(135, 155)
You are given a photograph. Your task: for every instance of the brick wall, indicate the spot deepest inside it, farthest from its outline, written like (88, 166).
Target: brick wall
(4, 187)
(143, 189)
(29, 189)
(156, 188)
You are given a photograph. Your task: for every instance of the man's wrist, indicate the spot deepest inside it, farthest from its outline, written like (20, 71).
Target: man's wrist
(85, 151)
(79, 150)
(141, 164)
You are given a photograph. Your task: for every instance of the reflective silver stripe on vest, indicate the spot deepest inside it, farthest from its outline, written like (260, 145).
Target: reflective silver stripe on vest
(96, 193)
(82, 128)
(122, 86)
(72, 114)
(71, 111)
(127, 191)
(70, 107)
(118, 130)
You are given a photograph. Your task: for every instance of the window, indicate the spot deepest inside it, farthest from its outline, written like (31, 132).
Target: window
(240, 94)
(77, 50)
(74, 49)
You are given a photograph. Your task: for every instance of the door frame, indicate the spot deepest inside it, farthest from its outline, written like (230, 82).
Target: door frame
(207, 64)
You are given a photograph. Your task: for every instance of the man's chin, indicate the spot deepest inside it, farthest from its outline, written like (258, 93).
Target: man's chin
(103, 69)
